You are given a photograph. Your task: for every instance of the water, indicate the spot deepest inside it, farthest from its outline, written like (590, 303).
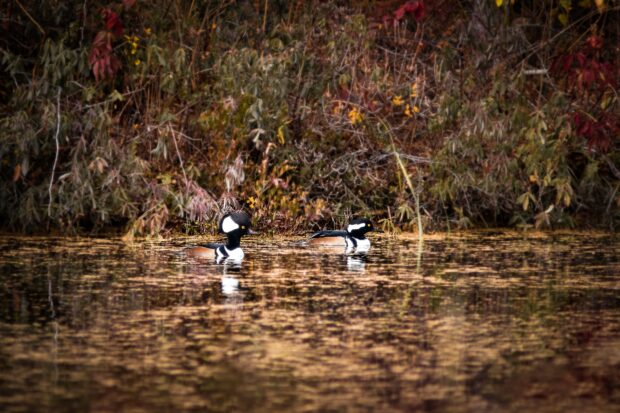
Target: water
(479, 322)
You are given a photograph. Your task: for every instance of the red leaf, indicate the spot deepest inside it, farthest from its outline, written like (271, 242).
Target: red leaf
(112, 22)
(588, 76)
(585, 129)
(128, 4)
(581, 58)
(387, 20)
(410, 6)
(101, 59)
(419, 12)
(96, 70)
(568, 61)
(595, 42)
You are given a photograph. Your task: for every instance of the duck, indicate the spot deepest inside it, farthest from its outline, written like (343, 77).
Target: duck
(235, 225)
(352, 238)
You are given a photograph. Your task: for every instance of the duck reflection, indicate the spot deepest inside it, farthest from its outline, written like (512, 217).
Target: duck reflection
(357, 262)
(230, 287)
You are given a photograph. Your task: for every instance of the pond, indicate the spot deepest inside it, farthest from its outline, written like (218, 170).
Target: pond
(481, 321)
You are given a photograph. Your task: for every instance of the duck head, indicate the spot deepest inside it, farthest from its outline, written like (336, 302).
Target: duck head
(359, 227)
(236, 224)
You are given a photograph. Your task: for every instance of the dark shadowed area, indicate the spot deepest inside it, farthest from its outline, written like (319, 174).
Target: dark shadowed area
(480, 322)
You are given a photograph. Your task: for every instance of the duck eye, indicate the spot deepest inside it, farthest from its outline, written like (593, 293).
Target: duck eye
(242, 226)
(367, 225)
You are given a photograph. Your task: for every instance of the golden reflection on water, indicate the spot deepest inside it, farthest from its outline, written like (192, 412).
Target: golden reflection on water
(484, 321)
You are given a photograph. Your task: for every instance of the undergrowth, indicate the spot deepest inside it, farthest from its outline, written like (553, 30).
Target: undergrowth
(156, 118)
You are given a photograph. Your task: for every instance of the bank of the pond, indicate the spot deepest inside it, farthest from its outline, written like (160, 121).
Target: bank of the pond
(146, 119)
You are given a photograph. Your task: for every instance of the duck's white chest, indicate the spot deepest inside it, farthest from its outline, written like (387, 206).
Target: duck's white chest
(363, 245)
(235, 254)
(359, 245)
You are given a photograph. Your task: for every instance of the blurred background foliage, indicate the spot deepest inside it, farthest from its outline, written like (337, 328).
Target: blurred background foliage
(158, 116)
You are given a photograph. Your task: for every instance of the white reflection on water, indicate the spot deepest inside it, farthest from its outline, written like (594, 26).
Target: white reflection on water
(230, 285)
(356, 263)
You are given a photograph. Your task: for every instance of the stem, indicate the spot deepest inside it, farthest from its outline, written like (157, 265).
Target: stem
(38, 26)
(409, 184)
(174, 139)
(265, 16)
(49, 205)
(416, 198)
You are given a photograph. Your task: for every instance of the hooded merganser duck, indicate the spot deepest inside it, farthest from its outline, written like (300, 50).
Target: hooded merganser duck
(352, 238)
(234, 225)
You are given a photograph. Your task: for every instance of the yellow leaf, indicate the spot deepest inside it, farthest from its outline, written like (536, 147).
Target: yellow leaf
(499, 3)
(355, 116)
(563, 18)
(600, 4)
(397, 100)
(408, 111)
(566, 5)
(281, 138)
(566, 199)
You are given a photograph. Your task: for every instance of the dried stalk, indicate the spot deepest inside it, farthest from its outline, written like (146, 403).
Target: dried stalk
(416, 197)
(49, 205)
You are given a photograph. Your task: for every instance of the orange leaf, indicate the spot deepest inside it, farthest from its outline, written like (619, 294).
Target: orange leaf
(17, 173)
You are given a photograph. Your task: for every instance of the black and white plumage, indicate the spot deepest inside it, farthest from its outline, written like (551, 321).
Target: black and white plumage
(353, 238)
(234, 225)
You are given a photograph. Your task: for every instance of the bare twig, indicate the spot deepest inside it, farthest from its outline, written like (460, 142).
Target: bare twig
(614, 170)
(49, 205)
(265, 16)
(411, 158)
(83, 23)
(174, 139)
(416, 196)
(39, 28)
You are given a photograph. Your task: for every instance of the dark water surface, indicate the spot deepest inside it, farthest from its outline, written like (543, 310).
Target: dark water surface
(483, 322)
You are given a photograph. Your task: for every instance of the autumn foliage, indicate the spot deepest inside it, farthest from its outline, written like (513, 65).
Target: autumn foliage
(592, 81)
(160, 116)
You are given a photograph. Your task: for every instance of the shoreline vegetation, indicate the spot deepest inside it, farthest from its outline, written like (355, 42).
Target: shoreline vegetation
(148, 118)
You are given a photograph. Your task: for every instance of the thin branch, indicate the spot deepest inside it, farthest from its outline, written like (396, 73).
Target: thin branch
(49, 205)
(265, 16)
(30, 17)
(416, 196)
(174, 139)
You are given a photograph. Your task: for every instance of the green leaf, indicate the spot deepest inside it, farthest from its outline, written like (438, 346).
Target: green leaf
(165, 178)
(89, 93)
(591, 171)
(524, 200)
(566, 5)
(166, 117)
(563, 18)
(116, 96)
